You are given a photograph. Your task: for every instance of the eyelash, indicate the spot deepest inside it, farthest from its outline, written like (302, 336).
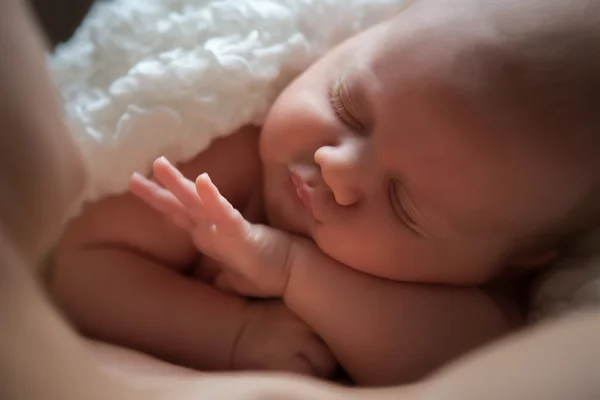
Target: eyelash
(397, 206)
(340, 110)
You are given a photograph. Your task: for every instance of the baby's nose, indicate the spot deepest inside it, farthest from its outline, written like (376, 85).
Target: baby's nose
(339, 168)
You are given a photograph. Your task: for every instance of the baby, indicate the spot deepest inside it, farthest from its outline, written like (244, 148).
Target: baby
(405, 156)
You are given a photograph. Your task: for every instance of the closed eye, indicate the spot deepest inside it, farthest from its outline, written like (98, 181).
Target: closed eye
(398, 208)
(338, 97)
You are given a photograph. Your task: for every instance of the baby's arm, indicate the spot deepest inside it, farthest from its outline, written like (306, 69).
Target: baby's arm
(115, 279)
(386, 332)
(118, 274)
(381, 331)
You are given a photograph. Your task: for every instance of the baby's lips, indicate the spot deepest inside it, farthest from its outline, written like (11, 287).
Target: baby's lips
(309, 174)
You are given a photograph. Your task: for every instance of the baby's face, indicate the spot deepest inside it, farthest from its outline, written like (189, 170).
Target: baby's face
(377, 155)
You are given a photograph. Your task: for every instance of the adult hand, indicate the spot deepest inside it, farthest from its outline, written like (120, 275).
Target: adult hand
(41, 168)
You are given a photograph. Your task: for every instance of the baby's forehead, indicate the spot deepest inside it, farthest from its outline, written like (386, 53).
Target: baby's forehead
(455, 59)
(446, 57)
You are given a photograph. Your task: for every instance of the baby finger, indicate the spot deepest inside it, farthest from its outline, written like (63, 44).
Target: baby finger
(218, 207)
(181, 187)
(160, 199)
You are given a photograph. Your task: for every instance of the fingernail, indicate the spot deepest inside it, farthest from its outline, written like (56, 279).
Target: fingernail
(205, 174)
(158, 161)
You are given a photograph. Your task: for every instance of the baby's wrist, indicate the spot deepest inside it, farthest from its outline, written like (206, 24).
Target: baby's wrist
(275, 252)
(300, 260)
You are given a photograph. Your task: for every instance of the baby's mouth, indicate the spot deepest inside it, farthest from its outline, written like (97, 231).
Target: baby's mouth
(304, 180)
(307, 187)
(300, 191)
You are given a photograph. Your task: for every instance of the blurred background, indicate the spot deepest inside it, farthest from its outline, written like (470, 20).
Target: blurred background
(60, 18)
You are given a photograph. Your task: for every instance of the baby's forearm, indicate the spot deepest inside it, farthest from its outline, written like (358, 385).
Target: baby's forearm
(118, 296)
(383, 331)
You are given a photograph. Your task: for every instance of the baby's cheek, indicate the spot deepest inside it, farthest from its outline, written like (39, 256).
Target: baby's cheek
(349, 247)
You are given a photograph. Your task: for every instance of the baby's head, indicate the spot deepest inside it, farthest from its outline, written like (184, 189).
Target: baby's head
(444, 145)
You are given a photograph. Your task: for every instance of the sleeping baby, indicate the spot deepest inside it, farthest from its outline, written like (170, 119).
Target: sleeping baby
(380, 219)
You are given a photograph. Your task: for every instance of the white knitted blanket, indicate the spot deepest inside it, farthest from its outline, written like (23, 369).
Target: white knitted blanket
(144, 78)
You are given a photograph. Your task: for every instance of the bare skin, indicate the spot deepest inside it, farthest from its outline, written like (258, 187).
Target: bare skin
(156, 308)
(128, 250)
(450, 222)
(394, 172)
(39, 349)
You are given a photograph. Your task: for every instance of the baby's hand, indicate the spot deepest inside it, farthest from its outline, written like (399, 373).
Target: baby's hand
(255, 255)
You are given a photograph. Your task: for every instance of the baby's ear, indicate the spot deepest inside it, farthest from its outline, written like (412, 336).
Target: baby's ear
(535, 259)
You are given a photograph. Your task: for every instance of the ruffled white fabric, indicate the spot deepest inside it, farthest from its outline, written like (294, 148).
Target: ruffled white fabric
(144, 78)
